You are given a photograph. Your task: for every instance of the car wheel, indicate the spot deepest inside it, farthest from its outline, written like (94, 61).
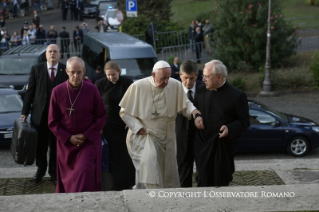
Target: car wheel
(298, 146)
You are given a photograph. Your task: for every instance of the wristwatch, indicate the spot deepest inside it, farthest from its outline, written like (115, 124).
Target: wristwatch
(197, 115)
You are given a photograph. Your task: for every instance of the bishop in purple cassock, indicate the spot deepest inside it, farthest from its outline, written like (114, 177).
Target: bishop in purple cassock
(76, 117)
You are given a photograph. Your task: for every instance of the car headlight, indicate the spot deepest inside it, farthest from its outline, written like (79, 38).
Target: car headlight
(316, 128)
(26, 87)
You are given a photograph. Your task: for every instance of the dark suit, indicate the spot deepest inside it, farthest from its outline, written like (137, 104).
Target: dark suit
(72, 9)
(98, 76)
(65, 43)
(77, 39)
(80, 10)
(198, 38)
(39, 94)
(174, 70)
(185, 134)
(65, 8)
(36, 21)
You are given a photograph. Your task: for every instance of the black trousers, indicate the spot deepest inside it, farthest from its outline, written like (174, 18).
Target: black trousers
(198, 51)
(64, 13)
(185, 169)
(65, 49)
(46, 139)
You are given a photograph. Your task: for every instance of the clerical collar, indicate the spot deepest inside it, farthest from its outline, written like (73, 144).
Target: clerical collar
(192, 89)
(220, 86)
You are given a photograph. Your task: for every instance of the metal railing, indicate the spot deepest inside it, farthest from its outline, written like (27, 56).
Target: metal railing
(205, 51)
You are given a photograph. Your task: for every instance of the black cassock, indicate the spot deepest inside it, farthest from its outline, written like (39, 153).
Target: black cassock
(122, 172)
(214, 156)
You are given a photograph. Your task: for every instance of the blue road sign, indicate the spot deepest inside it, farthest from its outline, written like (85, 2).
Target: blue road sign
(131, 8)
(131, 5)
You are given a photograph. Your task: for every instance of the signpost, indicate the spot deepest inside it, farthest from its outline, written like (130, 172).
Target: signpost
(131, 8)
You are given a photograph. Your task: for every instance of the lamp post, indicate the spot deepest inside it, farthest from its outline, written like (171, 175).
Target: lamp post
(267, 83)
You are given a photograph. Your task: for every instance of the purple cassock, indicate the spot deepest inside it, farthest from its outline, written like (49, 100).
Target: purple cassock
(78, 167)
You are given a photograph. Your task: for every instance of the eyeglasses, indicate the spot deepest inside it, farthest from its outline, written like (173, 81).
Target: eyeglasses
(208, 77)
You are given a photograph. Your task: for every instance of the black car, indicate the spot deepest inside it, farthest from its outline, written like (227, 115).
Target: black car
(16, 63)
(271, 130)
(90, 8)
(10, 109)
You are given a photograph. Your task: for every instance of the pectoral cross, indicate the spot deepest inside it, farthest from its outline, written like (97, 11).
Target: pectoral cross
(70, 109)
(155, 114)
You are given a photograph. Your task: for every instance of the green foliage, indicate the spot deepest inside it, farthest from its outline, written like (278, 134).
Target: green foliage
(239, 83)
(314, 67)
(315, 2)
(241, 33)
(170, 59)
(149, 11)
(289, 79)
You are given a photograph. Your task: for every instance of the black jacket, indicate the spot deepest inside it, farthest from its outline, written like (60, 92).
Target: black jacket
(39, 90)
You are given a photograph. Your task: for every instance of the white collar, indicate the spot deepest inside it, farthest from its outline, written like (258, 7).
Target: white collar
(55, 67)
(193, 89)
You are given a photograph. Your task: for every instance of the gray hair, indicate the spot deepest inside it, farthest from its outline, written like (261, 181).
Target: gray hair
(218, 67)
(188, 67)
(74, 58)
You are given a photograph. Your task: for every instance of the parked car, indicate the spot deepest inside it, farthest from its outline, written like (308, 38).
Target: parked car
(103, 7)
(16, 63)
(271, 130)
(10, 109)
(110, 17)
(90, 8)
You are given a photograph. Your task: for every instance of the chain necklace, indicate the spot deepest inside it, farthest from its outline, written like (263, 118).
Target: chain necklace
(71, 109)
(155, 114)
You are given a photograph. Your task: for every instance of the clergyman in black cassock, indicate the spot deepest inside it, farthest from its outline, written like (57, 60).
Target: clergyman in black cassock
(185, 129)
(225, 116)
(122, 172)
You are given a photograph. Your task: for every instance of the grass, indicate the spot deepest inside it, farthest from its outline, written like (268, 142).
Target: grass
(186, 10)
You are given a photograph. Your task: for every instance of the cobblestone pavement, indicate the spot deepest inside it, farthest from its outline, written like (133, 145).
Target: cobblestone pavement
(18, 186)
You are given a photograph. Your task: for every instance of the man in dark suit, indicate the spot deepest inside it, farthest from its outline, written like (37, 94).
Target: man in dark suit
(65, 8)
(224, 117)
(185, 129)
(65, 42)
(72, 9)
(199, 39)
(43, 78)
(77, 39)
(36, 19)
(175, 69)
(80, 10)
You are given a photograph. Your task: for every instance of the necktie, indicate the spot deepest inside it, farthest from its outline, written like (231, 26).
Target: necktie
(52, 74)
(189, 96)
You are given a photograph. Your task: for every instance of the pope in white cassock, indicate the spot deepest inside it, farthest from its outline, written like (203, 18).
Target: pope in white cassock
(149, 108)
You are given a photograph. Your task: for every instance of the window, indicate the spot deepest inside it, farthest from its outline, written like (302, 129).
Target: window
(259, 117)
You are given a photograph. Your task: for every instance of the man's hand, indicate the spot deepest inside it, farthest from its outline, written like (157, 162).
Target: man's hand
(77, 140)
(194, 112)
(142, 131)
(199, 123)
(24, 117)
(223, 132)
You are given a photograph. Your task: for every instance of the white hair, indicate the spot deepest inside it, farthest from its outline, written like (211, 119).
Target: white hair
(218, 67)
(68, 62)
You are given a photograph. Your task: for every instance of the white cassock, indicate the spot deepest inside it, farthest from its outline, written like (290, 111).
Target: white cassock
(154, 154)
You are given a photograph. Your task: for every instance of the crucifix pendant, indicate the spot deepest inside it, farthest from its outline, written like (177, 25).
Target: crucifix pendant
(155, 114)
(70, 109)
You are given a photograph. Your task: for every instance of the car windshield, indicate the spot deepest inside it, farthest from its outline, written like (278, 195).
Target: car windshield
(111, 14)
(10, 103)
(16, 65)
(106, 5)
(270, 110)
(136, 67)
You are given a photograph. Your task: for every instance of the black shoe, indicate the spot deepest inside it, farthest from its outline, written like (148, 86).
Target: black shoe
(54, 181)
(38, 176)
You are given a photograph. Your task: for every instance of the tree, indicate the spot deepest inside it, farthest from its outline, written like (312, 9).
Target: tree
(149, 11)
(241, 30)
